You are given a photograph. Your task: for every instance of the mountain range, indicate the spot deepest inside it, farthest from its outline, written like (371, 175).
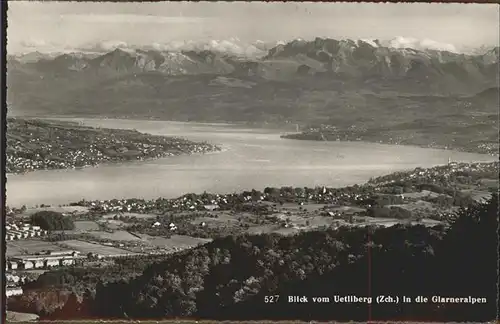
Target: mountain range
(344, 57)
(295, 80)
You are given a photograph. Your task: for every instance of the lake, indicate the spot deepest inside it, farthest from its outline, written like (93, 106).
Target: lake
(252, 158)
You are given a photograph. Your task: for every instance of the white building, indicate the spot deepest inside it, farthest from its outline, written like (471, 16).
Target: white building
(66, 262)
(12, 265)
(13, 291)
(51, 263)
(212, 207)
(39, 264)
(47, 260)
(16, 234)
(28, 265)
(20, 231)
(12, 278)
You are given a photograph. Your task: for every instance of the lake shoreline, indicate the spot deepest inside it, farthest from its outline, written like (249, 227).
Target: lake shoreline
(119, 163)
(318, 136)
(285, 135)
(289, 132)
(366, 141)
(251, 159)
(42, 144)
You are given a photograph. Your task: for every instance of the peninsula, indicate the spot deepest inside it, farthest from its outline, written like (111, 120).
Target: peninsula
(40, 144)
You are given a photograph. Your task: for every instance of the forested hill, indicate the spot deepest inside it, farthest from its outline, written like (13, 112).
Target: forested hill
(231, 277)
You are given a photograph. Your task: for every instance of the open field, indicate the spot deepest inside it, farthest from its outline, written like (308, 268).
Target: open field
(261, 229)
(174, 243)
(419, 204)
(85, 226)
(422, 194)
(80, 228)
(115, 236)
(489, 183)
(310, 207)
(137, 244)
(222, 217)
(22, 247)
(86, 247)
(478, 195)
(347, 209)
(112, 223)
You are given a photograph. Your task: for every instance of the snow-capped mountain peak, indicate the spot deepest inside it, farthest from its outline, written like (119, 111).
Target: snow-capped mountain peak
(420, 44)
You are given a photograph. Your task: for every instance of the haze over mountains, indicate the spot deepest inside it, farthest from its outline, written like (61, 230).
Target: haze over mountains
(300, 81)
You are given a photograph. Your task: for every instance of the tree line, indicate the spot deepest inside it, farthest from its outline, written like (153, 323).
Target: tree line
(52, 221)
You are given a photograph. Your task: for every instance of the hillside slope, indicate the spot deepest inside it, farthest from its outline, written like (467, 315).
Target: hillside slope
(230, 278)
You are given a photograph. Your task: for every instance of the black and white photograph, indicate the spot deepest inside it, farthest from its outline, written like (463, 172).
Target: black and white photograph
(251, 161)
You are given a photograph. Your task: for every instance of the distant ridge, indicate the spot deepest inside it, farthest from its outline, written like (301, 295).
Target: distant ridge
(489, 94)
(298, 80)
(344, 58)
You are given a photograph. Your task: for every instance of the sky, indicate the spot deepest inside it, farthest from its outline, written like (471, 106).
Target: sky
(51, 26)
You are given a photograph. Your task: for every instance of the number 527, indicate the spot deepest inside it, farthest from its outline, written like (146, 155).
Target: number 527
(271, 299)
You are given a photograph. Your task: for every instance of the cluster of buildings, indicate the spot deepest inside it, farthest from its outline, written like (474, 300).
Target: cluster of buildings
(63, 159)
(489, 148)
(45, 260)
(437, 173)
(13, 283)
(142, 206)
(13, 291)
(48, 259)
(171, 226)
(99, 147)
(218, 201)
(19, 231)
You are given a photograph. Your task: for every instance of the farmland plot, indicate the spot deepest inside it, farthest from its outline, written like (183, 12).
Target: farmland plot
(115, 236)
(176, 242)
(30, 247)
(87, 247)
